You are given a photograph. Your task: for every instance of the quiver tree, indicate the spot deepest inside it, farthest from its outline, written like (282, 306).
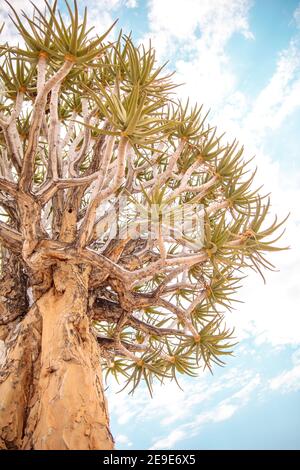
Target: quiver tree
(126, 225)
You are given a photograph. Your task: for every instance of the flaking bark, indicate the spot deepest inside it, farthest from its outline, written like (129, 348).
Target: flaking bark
(51, 386)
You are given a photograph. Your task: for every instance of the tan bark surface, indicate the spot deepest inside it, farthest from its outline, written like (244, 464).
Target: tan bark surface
(18, 378)
(51, 388)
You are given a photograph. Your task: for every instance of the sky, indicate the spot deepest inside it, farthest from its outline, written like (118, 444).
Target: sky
(241, 59)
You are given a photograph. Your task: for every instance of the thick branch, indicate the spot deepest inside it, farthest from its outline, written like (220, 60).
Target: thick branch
(35, 128)
(75, 164)
(10, 238)
(51, 187)
(110, 343)
(163, 177)
(99, 194)
(8, 186)
(105, 310)
(53, 134)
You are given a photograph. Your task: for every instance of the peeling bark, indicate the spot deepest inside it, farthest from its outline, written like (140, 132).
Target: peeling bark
(51, 386)
(16, 378)
(13, 300)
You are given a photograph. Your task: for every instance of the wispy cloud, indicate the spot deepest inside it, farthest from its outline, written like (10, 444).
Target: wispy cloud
(123, 441)
(213, 22)
(10, 33)
(171, 403)
(296, 16)
(199, 33)
(132, 4)
(101, 13)
(169, 441)
(280, 98)
(218, 399)
(221, 411)
(288, 380)
(110, 5)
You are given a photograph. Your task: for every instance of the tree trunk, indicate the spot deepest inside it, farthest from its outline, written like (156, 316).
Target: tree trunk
(51, 393)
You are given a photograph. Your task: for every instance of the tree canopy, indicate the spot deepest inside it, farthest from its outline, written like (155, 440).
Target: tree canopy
(94, 144)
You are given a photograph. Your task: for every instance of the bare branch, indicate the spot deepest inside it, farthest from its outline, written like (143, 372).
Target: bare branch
(97, 196)
(181, 315)
(53, 134)
(51, 188)
(39, 106)
(75, 164)
(162, 265)
(123, 348)
(11, 134)
(163, 177)
(41, 72)
(153, 330)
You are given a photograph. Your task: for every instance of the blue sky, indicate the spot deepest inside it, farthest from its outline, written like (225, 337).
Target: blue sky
(241, 59)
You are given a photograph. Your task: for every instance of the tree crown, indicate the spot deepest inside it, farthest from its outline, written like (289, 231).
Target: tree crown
(101, 164)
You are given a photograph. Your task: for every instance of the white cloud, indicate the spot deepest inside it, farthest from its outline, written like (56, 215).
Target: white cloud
(170, 440)
(123, 440)
(280, 97)
(110, 5)
(287, 381)
(199, 31)
(271, 311)
(101, 15)
(10, 33)
(296, 357)
(177, 411)
(221, 411)
(106, 4)
(216, 20)
(297, 16)
(171, 404)
(21, 5)
(132, 4)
